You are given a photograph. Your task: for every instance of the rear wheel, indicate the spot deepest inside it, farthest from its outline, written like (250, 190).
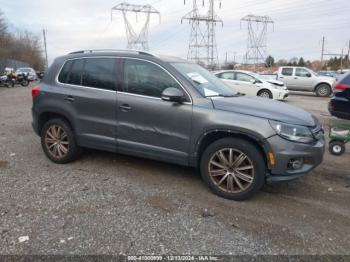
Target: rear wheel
(336, 148)
(58, 141)
(233, 168)
(265, 94)
(25, 83)
(323, 90)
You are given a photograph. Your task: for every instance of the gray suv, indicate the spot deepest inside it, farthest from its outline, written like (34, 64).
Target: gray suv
(171, 110)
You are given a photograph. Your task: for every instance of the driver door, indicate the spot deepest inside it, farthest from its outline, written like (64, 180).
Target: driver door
(148, 126)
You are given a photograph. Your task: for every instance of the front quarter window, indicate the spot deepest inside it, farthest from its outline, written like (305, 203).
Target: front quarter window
(206, 83)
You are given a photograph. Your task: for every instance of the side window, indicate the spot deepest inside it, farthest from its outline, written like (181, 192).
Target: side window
(301, 72)
(74, 76)
(287, 71)
(226, 75)
(100, 73)
(244, 77)
(65, 71)
(145, 78)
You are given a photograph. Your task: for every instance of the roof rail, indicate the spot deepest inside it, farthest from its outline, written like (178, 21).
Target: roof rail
(112, 50)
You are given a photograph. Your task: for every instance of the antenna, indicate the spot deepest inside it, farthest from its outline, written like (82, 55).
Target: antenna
(257, 38)
(202, 47)
(136, 41)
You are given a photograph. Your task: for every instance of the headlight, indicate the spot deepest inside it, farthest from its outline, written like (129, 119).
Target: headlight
(294, 133)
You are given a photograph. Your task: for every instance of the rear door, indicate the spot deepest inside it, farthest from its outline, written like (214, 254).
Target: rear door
(88, 88)
(286, 75)
(246, 83)
(228, 78)
(147, 125)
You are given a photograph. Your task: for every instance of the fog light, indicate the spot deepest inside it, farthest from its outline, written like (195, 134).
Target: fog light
(295, 163)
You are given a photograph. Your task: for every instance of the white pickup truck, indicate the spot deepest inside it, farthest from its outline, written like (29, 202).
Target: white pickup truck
(304, 79)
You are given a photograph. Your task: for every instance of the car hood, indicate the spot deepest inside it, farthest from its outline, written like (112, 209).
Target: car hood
(275, 82)
(262, 107)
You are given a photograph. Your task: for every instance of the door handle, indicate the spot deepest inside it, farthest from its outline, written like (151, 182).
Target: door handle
(125, 107)
(281, 77)
(295, 78)
(69, 99)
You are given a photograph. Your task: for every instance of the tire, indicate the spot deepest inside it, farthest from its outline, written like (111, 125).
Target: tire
(25, 83)
(336, 148)
(265, 93)
(323, 90)
(248, 187)
(56, 153)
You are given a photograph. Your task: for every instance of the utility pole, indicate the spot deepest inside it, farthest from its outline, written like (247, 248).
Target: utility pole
(257, 37)
(341, 61)
(322, 52)
(137, 41)
(47, 63)
(202, 47)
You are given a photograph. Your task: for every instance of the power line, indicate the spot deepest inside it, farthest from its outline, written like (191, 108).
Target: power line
(202, 45)
(257, 38)
(138, 41)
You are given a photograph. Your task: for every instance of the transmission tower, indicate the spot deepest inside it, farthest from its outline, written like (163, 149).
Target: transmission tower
(202, 47)
(136, 40)
(257, 38)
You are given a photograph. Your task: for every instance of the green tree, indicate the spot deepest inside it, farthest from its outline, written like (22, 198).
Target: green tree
(270, 61)
(301, 62)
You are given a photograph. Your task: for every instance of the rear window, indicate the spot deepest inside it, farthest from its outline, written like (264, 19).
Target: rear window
(99, 73)
(90, 72)
(287, 71)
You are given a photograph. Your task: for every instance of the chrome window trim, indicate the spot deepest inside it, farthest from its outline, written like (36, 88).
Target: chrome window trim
(116, 57)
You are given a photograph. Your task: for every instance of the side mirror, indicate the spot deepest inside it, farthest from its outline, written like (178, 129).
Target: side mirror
(308, 75)
(254, 81)
(172, 94)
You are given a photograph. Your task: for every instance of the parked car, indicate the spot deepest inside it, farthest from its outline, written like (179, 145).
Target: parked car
(30, 72)
(339, 105)
(304, 79)
(168, 109)
(328, 73)
(253, 84)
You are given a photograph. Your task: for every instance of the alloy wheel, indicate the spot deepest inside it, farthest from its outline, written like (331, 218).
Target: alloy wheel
(231, 170)
(56, 141)
(264, 94)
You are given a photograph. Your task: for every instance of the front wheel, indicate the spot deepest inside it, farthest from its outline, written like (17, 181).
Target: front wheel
(323, 90)
(336, 148)
(233, 168)
(265, 94)
(25, 83)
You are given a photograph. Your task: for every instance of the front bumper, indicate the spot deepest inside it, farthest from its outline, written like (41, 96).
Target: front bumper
(286, 151)
(280, 94)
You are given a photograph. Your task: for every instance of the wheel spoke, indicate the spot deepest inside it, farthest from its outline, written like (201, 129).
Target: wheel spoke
(63, 149)
(239, 160)
(50, 140)
(49, 133)
(230, 156)
(223, 179)
(230, 183)
(238, 182)
(244, 177)
(242, 168)
(222, 158)
(217, 164)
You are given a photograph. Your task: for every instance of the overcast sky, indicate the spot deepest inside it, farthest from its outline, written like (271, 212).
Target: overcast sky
(86, 24)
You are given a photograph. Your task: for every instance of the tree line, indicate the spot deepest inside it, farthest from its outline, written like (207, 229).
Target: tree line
(21, 45)
(334, 63)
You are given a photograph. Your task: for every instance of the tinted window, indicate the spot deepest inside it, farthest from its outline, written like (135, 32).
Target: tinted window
(65, 71)
(100, 73)
(74, 76)
(301, 72)
(226, 75)
(345, 79)
(244, 77)
(144, 78)
(287, 71)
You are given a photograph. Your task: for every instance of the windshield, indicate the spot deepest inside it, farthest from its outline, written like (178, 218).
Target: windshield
(205, 82)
